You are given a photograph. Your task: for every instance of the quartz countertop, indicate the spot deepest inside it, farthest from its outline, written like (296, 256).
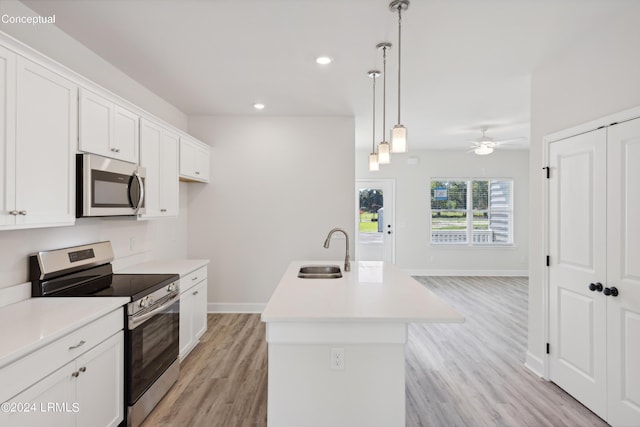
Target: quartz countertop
(372, 291)
(33, 323)
(168, 266)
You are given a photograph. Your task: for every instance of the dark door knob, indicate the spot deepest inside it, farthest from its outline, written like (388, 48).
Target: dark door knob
(613, 291)
(595, 287)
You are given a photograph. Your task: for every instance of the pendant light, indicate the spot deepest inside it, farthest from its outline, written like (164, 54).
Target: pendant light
(384, 149)
(399, 132)
(373, 157)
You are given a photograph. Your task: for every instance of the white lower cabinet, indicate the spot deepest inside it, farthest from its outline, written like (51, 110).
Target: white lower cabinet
(193, 310)
(86, 390)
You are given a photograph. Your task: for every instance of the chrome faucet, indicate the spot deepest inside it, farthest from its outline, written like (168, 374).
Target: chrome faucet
(347, 264)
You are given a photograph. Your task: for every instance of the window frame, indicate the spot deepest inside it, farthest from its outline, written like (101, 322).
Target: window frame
(470, 213)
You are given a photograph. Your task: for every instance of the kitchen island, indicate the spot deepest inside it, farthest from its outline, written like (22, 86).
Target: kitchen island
(336, 346)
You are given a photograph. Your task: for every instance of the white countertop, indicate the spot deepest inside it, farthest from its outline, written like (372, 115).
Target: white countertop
(34, 323)
(371, 291)
(167, 266)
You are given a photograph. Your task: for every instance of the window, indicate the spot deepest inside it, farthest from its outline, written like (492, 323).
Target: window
(472, 212)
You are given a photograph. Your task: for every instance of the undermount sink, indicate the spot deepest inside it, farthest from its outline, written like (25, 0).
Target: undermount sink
(320, 272)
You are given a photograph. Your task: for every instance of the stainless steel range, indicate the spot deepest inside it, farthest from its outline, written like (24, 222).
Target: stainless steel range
(152, 317)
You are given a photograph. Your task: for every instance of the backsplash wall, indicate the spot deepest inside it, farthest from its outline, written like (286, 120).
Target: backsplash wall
(133, 241)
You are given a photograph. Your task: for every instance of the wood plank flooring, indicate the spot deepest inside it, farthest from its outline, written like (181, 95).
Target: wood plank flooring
(465, 375)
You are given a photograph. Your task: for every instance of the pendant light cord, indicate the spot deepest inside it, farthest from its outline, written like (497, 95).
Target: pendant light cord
(373, 145)
(384, 91)
(399, 55)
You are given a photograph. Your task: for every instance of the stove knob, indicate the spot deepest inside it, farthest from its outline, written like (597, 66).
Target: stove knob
(171, 287)
(144, 302)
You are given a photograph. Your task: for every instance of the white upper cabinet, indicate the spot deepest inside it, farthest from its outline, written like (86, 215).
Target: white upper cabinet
(38, 120)
(159, 155)
(195, 158)
(107, 129)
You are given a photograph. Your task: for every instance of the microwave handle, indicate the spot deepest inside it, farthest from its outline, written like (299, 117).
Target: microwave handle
(141, 199)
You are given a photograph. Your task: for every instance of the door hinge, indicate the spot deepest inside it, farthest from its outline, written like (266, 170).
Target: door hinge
(548, 349)
(547, 168)
(548, 260)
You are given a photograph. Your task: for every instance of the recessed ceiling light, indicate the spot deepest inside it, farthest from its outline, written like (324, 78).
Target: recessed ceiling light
(324, 60)
(258, 106)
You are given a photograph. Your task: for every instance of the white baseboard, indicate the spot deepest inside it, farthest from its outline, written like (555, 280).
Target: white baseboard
(503, 273)
(232, 307)
(535, 365)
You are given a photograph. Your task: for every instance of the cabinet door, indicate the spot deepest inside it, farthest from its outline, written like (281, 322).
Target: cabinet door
(186, 322)
(7, 135)
(124, 145)
(623, 273)
(187, 158)
(150, 158)
(169, 173)
(47, 112)
(100, 384)
(50, 402)
(203, 162)
(159, 154)
(96, 124)
(577, 246)
(199, 293)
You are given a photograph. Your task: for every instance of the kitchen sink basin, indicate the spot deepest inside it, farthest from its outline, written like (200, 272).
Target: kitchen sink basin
(320, 272)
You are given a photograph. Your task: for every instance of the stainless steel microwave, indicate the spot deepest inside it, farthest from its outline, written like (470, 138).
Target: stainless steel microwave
(108, 187)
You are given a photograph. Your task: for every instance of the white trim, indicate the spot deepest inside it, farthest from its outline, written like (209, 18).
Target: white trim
(535, 365)
(233, 307)
(621, 116)
(487, 273)
(14, 294)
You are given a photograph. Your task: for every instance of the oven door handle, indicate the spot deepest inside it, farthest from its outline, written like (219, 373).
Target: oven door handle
(135, 321)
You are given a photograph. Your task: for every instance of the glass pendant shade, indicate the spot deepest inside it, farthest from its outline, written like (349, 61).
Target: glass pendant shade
(384, 150)
(399, 139)
(373, 162)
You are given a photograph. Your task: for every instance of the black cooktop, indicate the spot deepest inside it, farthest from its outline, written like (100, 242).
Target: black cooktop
(135, 286)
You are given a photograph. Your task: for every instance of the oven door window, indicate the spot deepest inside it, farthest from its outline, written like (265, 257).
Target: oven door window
(153, 347)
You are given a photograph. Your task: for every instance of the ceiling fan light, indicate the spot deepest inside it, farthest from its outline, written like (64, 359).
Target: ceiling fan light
(373, 162)
(399, 139)
(483, 150)
(384, 156)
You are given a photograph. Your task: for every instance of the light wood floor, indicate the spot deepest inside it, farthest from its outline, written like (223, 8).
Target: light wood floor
(465, 375)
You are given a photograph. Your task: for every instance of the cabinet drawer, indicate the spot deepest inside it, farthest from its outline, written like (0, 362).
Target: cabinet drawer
(35, 366)
(193, 278)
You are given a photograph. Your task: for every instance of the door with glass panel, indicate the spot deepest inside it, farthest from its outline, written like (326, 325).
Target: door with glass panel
(375, 236)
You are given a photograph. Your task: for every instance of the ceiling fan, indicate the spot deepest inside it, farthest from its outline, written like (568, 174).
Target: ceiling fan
(485, 144)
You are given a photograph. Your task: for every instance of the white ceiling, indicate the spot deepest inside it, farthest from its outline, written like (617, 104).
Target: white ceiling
(466, 63)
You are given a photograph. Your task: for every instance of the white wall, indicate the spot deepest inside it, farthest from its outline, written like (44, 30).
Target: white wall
(59, 46)
(414, 253)
(598, 77)
(278, 185)
(152, 239)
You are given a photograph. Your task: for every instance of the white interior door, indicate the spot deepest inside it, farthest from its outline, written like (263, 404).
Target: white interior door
(375, 233)
(623, 273)
(577, 246)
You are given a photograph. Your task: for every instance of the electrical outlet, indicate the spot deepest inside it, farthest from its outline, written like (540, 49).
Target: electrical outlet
(337, 358)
